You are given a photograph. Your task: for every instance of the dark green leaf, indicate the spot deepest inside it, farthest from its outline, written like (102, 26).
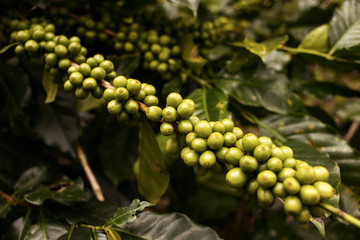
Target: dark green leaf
(190, 54)
(317, 39)
(128, 214)
(118, 152)
(350, 111)
(191, 4)
(7, 47)
(327, 90)
(326, 140)
(64, 189)
(50, 87)
(349, 201)
(242, 59)
(30, 179)
(112, 235)
(18, 228)
(153, 177)
(264, 48)
(345, 27)
(80, 233)
(47, 229)
(13, 97)
(57, 123)
(169, 226)
(257, 87)
(89, 103)
(127, 64)
(211, 104)
(277, 60)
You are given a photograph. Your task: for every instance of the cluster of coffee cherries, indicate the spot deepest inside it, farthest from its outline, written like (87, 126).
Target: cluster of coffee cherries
(162, 54)
(86, 77)
(127, 98)
(130, 38)
(252, 165)
(59, 51)
(90, 30)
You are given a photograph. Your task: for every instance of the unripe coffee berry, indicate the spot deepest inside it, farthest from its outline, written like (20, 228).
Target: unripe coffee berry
(185, 126)
(89, 83)
(229, 139)
(233, 155)
(81, 93)
(98, 73)
(121, 94)
(221, 153)
(207, 159)
(266, 178)
(174, 99)
(31, 46)
(274, 164)
(265, 140)
(248, 163)
(219, 127)
(285, 173)
(250, 141)
(215, 140)
(238, 132)
(133, 86)
(228, 124)
(265, 197)
(151, 100)
(304, 216)
(325, 190)
(203, 128)
(108, 66)
(290, 163)
(131, 106)
(186, 109)
(120, 81)
(199, 145)
(262, 152)
(172, 146)
(291, 185)
(114, 107)
(190, 157)
(309, 195)
(321, 173)
(292, 205)
(236, 178)
(306, 175)
(252, 186)
(60, 50)
(154, 113)
(109, 94)
(169, 114)
(279, 190)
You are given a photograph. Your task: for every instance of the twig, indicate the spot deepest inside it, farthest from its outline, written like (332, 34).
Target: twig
(10, 200)
(347, 217)
(352, 130)
(89, 173)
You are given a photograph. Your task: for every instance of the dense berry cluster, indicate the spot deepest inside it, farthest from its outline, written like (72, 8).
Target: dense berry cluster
(251, 164)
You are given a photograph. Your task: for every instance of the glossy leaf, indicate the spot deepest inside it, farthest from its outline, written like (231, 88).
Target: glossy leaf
(127, 64)
(191, 4)
(327, 90)
(169, 226)
(18, 228)
(7, 47)
(89, 103)
(45, 229)
(112, 235)
(153, 178)
(64, 189)
(257, 87)
(326, 140)
(50, 87)
(190, 54)
(57, 123)
(128, 214)
(80, 233)
(211, 104)
(277, 60)
(345, 26)
(30, 179)
(118, 151)
(242, 59)
(317, 39)
(350, 111)
(264, 48)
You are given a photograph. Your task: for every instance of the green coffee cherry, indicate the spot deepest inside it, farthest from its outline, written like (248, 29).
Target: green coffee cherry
(305, 175)
(274, 164)
(309, 195)
(290, 162)
(81, 93)
(97, 92)
(238, 132)
(123, 116)
(291, 185)
(285, 173)
(215, 140)
(85, 69)
(265, 140)
(200, 171)
(219, 127)
(107, 65)
(60, 50)
(252, 186)
(154, 113)
(120, 81)
(151, 100)
(185, 126)
(98, 73)
(265, 197)
(109, 94)
(250, 141)
(262, 152)
(166, 129)
(288, 152)
(236, 178)
(317, 211)
(31, 46)
(172, 146)
(149, 89)
(207, 159)
(203, 128)
(248, 163)
(68, 86)
(292, 205)
(89, 83)
(221, 153)
(121, 94)
(304, 216)
(133, 86)
(190, 137)
(266, 178)
(233, 155)
(114, 107)
(321, 173)
(199, 145)
(131, 106)
(186, 109)
(325, 190)
(279, 190)
(277, 152)
(169, 114)
(190, 157)
(228, 124)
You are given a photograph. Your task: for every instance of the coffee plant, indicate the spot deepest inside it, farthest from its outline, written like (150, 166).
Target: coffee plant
(180, 119)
